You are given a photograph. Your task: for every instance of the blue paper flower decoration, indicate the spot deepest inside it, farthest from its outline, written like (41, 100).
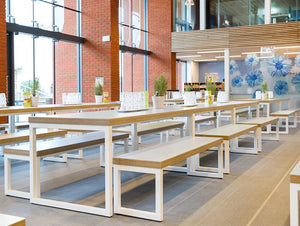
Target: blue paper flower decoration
(254, 78)
(296, 79)
(251, 60)
(297, 60)
(237, 81)
(233, 67)
(280, 66)
(281, 87)
(254, 94)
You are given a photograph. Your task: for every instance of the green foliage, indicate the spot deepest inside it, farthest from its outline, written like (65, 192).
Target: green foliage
(188, 88)
(264, 86)
(98, 89)
(33, 87)
(160, 85)
(211, 86)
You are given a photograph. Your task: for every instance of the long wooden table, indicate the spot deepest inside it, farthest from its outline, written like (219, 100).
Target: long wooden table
(105, 120)
(49, 109)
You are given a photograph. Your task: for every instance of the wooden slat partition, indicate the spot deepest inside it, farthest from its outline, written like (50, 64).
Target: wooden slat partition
(236, 37)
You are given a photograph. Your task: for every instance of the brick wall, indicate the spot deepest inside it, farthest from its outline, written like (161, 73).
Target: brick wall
(100, 59)
(3, 63)
(160, 27)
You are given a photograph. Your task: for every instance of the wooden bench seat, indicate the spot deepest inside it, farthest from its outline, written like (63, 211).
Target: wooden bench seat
(153, 160)
(153, 127)
(294, 195)
(284, 115)
(262, 122)
(205, 118)
(230, 132)
(8, 220)
(50, 148)
(18, 125)
(241, 112)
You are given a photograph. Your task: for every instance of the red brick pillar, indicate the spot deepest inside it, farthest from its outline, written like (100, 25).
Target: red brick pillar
(100, 59)
(3, 60)
(161, 60)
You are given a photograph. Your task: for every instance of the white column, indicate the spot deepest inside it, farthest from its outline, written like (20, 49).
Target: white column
(202, 14)
(267, 11)
(194, 71)
(227, 71)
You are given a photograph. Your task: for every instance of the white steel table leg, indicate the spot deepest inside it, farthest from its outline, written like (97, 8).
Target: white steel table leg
(134, 137)
(33, 164)
(294, 205)
(227, 157)
(108, 171)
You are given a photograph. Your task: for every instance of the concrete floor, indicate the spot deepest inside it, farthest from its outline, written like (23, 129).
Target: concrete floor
(256, 192)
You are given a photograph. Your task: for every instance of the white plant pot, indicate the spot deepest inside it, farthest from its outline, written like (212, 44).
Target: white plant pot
(158, 102)
(98, 99)
(35, 101)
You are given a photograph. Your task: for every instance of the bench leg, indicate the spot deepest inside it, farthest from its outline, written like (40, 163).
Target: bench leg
(227, 156)
(294, 205)
(158, 214)
(7, 177)
(259, 139)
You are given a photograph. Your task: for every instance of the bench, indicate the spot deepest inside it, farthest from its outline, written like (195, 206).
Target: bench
(8, 220)
(153, 160)
(261, 122)
(18, 125)
(205, 118)
(153, 127)
(294, 195)
(228, 133)
(50, 148)
(284, 115)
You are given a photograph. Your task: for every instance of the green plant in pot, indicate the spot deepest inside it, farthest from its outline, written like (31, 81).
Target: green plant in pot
(160, 88)
(35, 91)
(264, 88)
(188, 89)
(98, 90)
(211, 86)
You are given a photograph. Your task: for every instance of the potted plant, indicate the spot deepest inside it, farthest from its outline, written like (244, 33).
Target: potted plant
(160, 88)
(264, 87)
(98, 89)
(210, 92)
(35, 91)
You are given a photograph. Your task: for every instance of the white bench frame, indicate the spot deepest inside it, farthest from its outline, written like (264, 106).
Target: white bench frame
(157, 215)
(286, 119)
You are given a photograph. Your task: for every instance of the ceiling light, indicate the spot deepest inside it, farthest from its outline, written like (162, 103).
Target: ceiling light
(246, 53)
(215, 51)
(233, 56)
(291, 53)
(189, 2)
(205, 60)
(188, 56)
(265, 57)
(286, 47)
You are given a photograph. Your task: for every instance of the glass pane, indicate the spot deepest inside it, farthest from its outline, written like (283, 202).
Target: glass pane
(284, 11)
(65, 69)
(137, 22)
(132, 71)
(126, 34)
(21, 10)
(257, 12)
(43, 15)
(187, 17)
(124, 11)
(23, 65)
(65, 19)
(44, 67)
(230, 16)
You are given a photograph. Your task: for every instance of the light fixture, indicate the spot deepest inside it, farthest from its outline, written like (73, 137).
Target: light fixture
(189, 2)
(215, 51)
(233, 56)
(246, 53)
(204, 60)
(188, 56)
(291, 53)
(286, 47)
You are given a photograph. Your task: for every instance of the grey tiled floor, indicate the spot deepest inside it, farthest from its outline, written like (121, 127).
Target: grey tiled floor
(256, 192)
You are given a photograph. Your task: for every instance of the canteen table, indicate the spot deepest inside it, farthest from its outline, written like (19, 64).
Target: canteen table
(104, 121)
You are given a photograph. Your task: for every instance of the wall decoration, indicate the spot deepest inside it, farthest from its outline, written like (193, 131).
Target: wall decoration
(254, 78)
(212, 77)
(297, 61)
(233, 67)
(296, 81)
(279, 66)
(281, 87)
(237, 81)
(252, 60)
(254, 93)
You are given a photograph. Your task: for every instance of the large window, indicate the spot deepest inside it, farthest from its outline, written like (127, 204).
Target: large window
(133, 44)
(37, 55)
(284, 11)
(186, 17)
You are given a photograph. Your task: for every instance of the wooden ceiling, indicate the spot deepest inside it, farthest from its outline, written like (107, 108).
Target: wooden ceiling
(237, 39)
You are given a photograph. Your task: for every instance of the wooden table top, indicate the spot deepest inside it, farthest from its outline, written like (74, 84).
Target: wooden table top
(274, 100)
(181, 100)
(14, 110)
(295, 174)
(119, 118)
